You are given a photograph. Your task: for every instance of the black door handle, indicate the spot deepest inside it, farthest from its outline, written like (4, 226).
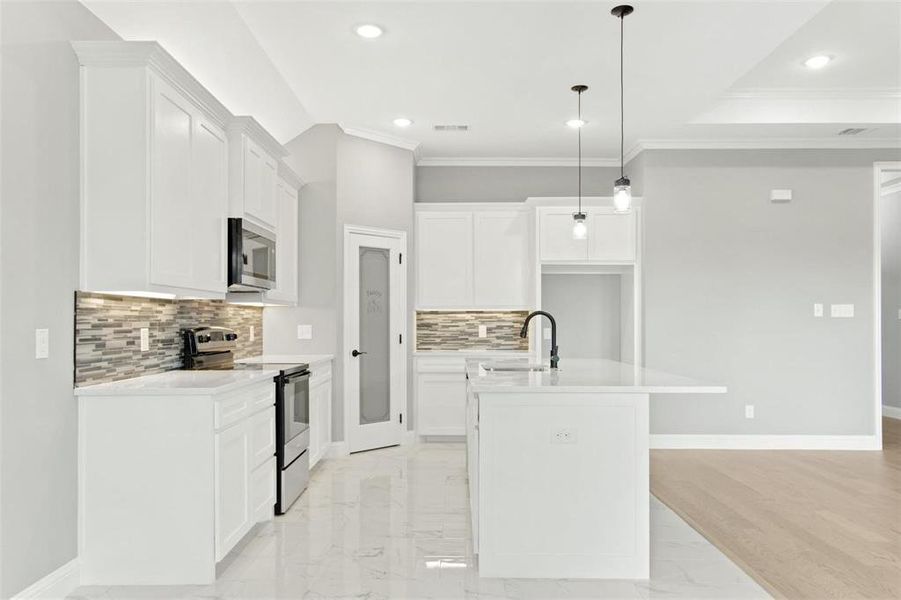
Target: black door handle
(356, 353)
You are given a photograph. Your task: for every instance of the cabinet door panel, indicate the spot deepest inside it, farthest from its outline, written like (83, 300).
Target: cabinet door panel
(232, 487)
(171, 216)
(268, 191)
(262, 437)
(444, 259)
(315, 433)
(253, 179)
(262, 491)
(502, 261)
(556, 236)
(611, 237)
(286, 246)
(441, 400)
(210, 207)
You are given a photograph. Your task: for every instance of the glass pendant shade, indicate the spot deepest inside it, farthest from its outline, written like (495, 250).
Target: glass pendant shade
(622, 196)
(580, 229)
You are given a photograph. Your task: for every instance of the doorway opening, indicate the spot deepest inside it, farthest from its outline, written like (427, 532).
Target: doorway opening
(888, 275)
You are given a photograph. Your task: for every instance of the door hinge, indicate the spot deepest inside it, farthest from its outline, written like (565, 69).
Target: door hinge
(400, 258)
(400, 338)
(401, 416)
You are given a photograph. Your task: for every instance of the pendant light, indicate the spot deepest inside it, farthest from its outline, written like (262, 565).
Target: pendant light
(622, 188)
(580, 229)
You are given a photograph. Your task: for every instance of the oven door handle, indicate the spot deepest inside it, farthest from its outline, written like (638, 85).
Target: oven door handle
(295, 378)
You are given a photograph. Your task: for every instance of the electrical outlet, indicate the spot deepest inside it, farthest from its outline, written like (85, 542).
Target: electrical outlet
(252, 333)
(818, 310)
(564, 436)
(483, 331)
(749, 411)
(842, 311)
(145, 339)
(305, 332)
(41, 343)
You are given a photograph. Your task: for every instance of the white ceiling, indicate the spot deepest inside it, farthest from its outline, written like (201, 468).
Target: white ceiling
(698, 71)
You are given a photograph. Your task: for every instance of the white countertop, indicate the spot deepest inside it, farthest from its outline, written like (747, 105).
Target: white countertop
(584, 375)
(177, 383)
(310, 359)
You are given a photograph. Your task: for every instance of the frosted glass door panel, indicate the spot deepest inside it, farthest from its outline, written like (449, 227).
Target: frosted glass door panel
(375, 364)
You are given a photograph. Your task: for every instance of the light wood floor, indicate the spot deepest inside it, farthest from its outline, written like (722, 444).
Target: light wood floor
(803, 524)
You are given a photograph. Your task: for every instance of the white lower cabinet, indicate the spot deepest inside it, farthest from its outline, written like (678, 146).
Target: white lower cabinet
(170, 483)
(320, 411)
(440, 396)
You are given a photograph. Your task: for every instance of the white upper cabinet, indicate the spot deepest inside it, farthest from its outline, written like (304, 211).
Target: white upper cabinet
(444, 259)
(611, 238)
(154, 198)
(286, 241)
(477, 258)
(556, 236)
(502, 260)
(253, 172)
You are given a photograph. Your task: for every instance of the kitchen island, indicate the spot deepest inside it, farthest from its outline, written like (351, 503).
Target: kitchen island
(558, 466)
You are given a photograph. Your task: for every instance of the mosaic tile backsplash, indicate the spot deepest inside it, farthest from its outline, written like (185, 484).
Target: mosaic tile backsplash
(438, 330)
(107, 333)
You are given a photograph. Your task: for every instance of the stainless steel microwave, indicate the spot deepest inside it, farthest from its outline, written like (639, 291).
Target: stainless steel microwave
(251, 257)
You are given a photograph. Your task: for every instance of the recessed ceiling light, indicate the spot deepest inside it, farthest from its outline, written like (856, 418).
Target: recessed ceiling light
(402, 122)
(576, 123)
(369, 31)
(817, 62)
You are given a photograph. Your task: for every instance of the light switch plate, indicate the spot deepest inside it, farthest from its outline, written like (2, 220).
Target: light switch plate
(780, 195)
(818, 310)
(899, 314)
(145, 339)
(749, 411)
(305, 332)
(483, 331)
(842, 311)
(252, 333)
(41, 343)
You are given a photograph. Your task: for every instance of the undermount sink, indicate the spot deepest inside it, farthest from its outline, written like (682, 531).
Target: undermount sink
(512, 367)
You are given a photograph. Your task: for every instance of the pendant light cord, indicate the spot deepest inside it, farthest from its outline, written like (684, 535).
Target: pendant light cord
(580, 152)
(622, 166)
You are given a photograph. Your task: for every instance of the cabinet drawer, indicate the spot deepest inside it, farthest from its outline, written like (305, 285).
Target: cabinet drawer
(441, 364)
(441, 402)
(262, 437)
(233, 406)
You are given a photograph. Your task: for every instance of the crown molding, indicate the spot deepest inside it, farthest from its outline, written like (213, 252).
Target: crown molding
(381, 138)
(814, 93)
(117, 54)
(288, 174)
(512, 161)
(251, 127)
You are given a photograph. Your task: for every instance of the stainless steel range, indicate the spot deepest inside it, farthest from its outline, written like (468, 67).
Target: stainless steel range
(213, 348)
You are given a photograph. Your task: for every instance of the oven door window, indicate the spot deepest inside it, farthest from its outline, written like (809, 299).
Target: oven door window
(297, 406)
(258, 257)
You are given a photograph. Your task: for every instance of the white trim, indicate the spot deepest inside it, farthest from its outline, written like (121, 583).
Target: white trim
(336, 450)
(513, 161)
(825, 143)
(765, 442)
(892, 412)
(58, 584)
(815, 93)
(409, 437)
(381, 138)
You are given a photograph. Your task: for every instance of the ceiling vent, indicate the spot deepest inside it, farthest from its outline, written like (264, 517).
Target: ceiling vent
(852, 131)
(451, 127)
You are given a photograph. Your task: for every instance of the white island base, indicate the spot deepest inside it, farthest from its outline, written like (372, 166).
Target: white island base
(558, 469)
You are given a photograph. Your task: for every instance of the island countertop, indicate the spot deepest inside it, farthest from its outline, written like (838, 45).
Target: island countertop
(582, 375)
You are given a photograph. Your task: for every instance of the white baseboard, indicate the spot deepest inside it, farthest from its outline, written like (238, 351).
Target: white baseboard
(764, 442)
(336, 450)
(409, 437)
(892, 412)
(58, 584)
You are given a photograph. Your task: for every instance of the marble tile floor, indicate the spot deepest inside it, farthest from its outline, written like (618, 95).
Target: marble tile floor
(393, 523)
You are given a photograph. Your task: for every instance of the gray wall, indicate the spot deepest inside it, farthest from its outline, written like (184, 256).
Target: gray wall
(351, 181)
(39, 263)
(891, 299)
(731, 279)
(509, 184)
(587, 310)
